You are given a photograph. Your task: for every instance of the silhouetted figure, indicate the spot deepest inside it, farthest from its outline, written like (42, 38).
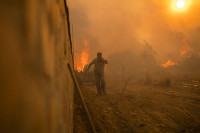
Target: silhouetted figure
(99, 63)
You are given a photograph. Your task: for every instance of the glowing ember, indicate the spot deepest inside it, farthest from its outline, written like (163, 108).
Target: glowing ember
(168, 63)
(186, 49)
(82, 59)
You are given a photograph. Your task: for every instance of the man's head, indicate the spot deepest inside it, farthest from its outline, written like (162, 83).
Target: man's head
(99, 55)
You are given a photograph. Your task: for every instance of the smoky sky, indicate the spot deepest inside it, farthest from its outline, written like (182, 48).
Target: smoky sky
(115, 26)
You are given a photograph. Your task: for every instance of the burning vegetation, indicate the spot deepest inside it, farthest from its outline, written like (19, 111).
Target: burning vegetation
(186, 49)
(184, 53)
(82, 59)
(168, 63)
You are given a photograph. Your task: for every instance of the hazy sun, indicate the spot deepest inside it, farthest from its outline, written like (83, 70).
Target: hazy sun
(180, 3)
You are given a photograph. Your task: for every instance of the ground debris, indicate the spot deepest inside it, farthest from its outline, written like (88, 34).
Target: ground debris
(145, 109)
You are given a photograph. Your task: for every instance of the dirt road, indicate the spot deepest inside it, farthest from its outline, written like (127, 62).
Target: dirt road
(140, 109)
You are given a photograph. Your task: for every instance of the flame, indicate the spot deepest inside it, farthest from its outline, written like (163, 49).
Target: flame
(186, 49)
(82, 59)
(168, 63)
(184, 53)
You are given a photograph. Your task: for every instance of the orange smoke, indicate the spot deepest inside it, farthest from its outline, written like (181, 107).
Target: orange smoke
(82, 59)
(186, 49)
(168, 63)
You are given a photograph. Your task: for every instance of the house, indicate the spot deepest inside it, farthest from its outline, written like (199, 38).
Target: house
(36, 88)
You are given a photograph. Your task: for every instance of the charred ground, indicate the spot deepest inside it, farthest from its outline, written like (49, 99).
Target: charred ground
(141, 108)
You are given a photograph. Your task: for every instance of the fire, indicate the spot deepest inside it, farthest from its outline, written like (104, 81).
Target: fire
(82, 59)
(184, 53)
(168, 63)
(186, 49)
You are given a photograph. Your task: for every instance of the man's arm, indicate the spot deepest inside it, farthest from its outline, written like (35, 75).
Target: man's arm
(92, 63)
(105, 61)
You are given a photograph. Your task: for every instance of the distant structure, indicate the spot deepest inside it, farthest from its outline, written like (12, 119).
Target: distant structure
(36, 88)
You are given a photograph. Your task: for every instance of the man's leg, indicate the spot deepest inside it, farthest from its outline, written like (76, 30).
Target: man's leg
(97, 77)
(102, 80)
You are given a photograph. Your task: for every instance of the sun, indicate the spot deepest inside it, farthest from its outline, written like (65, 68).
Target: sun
(180, 3)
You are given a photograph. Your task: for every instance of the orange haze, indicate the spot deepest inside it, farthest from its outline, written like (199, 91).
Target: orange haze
(114, 27)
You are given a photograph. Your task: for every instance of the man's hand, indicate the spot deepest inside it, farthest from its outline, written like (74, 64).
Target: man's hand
(88, 68)
(103, 60)
(106, 61)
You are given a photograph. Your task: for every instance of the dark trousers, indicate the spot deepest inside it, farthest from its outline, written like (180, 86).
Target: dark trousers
(100, 82)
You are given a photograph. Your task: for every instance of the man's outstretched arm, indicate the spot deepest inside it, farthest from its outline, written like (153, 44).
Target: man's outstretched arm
(105, 61)
(92, 63)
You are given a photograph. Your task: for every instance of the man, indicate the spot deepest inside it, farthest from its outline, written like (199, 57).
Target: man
(99, 64)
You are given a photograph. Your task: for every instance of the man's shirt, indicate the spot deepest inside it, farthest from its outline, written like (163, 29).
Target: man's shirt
(99, 65)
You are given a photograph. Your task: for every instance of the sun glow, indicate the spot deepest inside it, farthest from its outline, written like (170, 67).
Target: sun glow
(180, 3)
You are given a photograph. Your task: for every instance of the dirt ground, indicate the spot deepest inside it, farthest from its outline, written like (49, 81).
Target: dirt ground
(141, 108)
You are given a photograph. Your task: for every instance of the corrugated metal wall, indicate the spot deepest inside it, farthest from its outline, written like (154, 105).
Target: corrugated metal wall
(36, 89)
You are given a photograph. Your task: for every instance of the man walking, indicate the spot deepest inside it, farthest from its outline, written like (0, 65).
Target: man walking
(99, 64)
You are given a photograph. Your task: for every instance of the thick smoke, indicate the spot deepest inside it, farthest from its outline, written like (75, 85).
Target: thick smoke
(118, 29)
(134, 64)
